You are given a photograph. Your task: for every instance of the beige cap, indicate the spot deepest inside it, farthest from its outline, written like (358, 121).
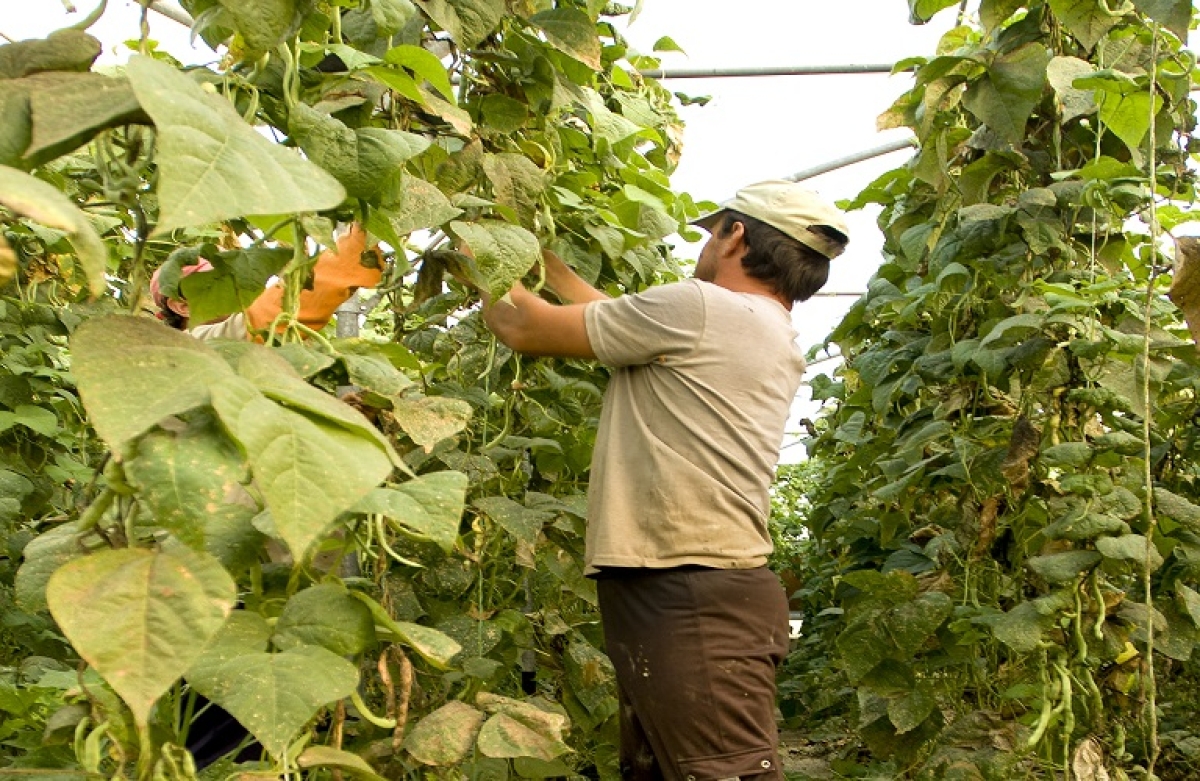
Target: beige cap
(790, 208)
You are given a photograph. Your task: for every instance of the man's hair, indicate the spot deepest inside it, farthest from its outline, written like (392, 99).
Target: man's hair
(793, 270)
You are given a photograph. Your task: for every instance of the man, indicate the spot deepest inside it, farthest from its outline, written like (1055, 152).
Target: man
(705, 373)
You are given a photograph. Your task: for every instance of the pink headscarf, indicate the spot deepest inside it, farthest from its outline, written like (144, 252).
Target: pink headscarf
(156, 293)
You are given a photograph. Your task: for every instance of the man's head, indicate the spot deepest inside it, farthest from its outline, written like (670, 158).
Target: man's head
(789, 233)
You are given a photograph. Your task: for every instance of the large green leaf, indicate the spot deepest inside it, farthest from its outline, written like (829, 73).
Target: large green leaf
(423, 63)
(1175, 15)
(446, 736)
(503, 252)
(308, 470)
(516, 183)
(1087, 20)
(1065, 566)
(1125, 105)
(141, 617)
(1061, 73)
(30, 197)
(363, 160)
(921, 11)
(134, 371)
(68, 109)
(519, 729)
(467, 21)
(328, 616)
(518, 520)
(212, 166)
(1177, 508)
(572, 32)
(328, 757)
(190, 479)
(275, 695)
(429, 507)
(43, 556)
(237, 278)
(1005, 95)
(1132, 548)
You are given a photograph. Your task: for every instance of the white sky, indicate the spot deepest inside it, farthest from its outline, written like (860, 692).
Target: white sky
(753, 129)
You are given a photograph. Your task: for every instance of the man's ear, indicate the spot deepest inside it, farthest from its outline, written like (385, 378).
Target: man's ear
(734, 240)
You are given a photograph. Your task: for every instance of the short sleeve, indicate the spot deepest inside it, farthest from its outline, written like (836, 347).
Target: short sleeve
(662, 322)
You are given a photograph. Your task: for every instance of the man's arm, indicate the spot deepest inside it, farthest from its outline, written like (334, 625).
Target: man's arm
(565, 283)
(532, 326)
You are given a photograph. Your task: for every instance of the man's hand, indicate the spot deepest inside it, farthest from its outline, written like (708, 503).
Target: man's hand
(533, 326)
(565, 283)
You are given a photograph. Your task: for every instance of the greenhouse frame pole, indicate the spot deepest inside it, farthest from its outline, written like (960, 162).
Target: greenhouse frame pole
(782, 70)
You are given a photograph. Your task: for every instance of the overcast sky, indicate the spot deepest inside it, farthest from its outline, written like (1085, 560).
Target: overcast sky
(753, 128)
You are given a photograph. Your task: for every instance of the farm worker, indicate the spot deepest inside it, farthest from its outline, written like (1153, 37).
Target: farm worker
(336, 277)
(705, 371)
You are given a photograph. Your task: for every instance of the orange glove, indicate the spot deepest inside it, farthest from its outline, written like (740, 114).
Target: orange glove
(336, 276)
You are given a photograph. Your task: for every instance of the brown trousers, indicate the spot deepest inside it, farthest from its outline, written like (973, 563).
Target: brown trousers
(695, 652)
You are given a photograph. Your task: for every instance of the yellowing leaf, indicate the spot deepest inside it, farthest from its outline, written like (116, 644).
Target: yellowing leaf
(503, 252)
(572, 32)
(445, 737)
(140, 617)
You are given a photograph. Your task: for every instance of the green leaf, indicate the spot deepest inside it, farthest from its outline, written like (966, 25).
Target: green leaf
(140, 617)
(572, 32)
(237, 278)
(520, 729)
(608, 125)
(37, 419)
(245, 632)
(275, 695)
(415, 204)
(68, 109)
(429, 507)
(993, 12)
(212, 166)
(433, 646)
(30, 197)
(327, 756)
(592, 677)
(391, 16)
(363, 159)
(1177, 508)
(1087, 20)
(423, 63)
(1065, 566)
(1062, 73)
(190, 479)
(1005, 95)
(1190, 601)
(502, 113)
(1175, 15)
(1125, 105)
(61, 50)
(921, 11)
(1022, 321)
(667, 44)
(43, 556)
(516, 183)
(328, 616)
(521, 522)
(134, 371)
(446, 736)
(428, 420)
(467, 21)
(503, 252)
(376, 374)
(909, 710)
(912, 623)
(1132, 548)
(293, 458)
(1067, 454)
(264, 24)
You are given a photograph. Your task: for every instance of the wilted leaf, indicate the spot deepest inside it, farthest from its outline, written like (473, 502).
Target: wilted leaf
(325, 615)
(520, 729)
(571, 31)
(429, 419)
(446, 736)
(61, 50)
(503, 252)
(429, 506)
(212, 166)
(1185, 282)
(140, 617)
(30, 197)
(134, 371)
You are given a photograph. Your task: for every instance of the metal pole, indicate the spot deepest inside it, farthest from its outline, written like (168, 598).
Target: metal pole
(782, 70)
(858, 157)
(172, 12)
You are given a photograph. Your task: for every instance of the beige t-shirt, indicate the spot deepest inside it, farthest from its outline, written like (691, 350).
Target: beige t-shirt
(693, 419)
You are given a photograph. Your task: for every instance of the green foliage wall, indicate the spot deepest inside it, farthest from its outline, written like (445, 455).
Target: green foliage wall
(1009, 504)
(392, 589)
